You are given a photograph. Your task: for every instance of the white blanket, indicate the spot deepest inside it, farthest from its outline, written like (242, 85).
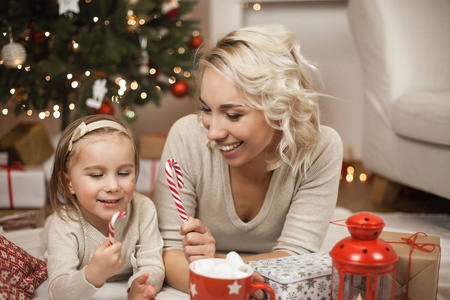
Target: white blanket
(437, 225)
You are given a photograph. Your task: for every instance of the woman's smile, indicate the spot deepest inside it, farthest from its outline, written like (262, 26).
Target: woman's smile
(231, 147)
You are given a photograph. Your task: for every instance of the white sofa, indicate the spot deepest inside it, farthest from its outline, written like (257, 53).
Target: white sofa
(404, 49)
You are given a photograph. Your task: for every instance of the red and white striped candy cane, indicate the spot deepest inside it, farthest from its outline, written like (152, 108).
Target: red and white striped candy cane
(111, 225)
(173, 189)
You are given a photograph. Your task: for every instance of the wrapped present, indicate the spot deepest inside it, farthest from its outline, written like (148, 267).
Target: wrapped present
(305, 276)
(151, 145)
(28, 143)
(22, 187)
(418, 264)
(148, 170)
(3, 158)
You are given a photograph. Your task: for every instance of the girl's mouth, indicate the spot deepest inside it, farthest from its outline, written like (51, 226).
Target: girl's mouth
(109, 201)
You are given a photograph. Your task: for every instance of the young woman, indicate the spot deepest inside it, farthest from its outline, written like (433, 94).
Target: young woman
(94, 175)
(261, 174)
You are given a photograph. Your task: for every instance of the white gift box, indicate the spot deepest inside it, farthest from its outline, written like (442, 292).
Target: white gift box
(305, 276)
(148, 170)
(3, 158)
(28, 187)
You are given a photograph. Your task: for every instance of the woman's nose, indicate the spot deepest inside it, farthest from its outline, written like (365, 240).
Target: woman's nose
(216, 129)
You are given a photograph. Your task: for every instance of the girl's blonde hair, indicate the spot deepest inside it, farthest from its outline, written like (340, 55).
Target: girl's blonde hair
(60, 197)
(271, 75)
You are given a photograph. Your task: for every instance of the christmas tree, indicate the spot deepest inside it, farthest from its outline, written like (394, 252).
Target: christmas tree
(83, 54)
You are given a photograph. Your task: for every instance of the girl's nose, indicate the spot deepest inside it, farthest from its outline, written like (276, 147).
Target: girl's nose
(112, 184)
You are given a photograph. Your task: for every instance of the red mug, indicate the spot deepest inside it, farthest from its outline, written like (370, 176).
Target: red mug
(206, 287)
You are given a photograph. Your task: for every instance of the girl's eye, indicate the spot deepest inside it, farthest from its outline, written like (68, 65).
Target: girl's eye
(96, 175)
(234, 116)
(204, 109)
(124, 173)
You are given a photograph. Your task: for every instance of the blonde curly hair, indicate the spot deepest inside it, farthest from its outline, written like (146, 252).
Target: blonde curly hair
(268, 70)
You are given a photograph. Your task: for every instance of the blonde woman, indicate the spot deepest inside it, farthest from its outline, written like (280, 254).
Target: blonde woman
(261, 173)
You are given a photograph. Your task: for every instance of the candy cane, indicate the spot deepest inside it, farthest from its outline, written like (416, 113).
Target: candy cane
(111, 225)
(173, 189)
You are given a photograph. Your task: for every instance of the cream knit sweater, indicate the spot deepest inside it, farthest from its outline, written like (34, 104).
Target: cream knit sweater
(296, 211)
(70, 245)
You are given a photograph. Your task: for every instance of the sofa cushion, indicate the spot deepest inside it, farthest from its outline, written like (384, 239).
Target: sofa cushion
(423, 116)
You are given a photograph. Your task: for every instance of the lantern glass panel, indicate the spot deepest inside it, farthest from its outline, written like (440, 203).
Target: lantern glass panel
(354, 286)
(384, 287)
(335, 282)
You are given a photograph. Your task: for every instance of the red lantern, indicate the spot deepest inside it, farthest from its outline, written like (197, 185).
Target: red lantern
(180, 88)
(363, 264)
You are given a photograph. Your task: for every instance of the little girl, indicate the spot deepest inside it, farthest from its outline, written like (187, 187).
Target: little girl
(94, 175)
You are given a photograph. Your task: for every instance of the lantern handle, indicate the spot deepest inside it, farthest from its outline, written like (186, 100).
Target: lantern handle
(335, 222)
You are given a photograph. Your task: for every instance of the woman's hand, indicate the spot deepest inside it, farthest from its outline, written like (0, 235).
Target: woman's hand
(259, 294)
(197, 242)
(105, 262)
(141, 289)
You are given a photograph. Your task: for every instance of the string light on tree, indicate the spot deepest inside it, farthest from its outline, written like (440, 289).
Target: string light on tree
(129, 114)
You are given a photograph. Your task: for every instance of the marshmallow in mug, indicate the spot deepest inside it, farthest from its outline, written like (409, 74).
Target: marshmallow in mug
(233, 267)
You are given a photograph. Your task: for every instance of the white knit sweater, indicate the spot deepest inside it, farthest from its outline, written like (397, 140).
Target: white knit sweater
(70, 245)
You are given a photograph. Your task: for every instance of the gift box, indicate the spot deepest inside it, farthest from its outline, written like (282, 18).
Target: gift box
(425, 258)
(305, 276)
(148, 170)
(151, 145)
(28, 143)
(3, 158)
(22, 187)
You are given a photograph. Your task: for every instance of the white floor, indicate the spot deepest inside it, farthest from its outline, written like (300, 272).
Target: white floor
(437, 225)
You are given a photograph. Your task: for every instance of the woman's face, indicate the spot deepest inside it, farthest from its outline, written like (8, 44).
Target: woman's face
(240, 131)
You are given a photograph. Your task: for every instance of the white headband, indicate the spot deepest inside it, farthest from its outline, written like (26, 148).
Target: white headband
(83, 129)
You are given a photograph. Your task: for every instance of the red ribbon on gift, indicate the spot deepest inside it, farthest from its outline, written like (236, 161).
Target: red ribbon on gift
(423, 247)
(16, 165)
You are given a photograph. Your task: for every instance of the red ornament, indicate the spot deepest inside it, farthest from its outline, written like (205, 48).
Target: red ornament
(99, 75)
(172, 14)
(38, 37)
(107, 108)
(180, 88)
(195, 42)
(170, 8)
(363, 264)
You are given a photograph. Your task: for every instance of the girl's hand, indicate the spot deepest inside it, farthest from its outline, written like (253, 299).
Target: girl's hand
(141, 289)
(105, 262)
(197, 242)
(259, 294)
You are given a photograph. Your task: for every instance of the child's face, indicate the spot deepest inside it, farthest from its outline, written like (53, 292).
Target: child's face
(102, 176)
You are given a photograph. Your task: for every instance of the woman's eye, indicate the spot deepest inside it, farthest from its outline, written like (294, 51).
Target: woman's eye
(204, 109)
(234, 116)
